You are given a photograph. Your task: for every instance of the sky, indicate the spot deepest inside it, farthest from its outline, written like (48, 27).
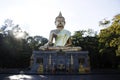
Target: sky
(37, 17)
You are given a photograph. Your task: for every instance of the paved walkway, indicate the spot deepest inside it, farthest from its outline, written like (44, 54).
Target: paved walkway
(106, 74)
(60, 77)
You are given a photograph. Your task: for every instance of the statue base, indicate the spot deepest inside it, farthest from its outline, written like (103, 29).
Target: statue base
(59, 61)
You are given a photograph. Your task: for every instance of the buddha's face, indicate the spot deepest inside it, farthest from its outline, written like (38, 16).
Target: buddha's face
(60, 23)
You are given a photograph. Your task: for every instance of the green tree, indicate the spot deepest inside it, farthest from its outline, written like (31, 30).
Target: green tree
(36, 41)
(104, 23)
(14, 50)
(77, 37)
(88, 40)
(110, 36)
(109, 42)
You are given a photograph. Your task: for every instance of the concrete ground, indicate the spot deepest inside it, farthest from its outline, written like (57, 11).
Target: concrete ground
(103, 74)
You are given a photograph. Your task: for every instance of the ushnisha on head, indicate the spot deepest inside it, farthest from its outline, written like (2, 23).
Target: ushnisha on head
(60, 21)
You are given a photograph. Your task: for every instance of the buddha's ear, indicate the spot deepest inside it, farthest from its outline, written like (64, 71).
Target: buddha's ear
(65, 22)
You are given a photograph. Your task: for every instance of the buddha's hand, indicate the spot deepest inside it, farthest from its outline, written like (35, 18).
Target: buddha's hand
(51, 44)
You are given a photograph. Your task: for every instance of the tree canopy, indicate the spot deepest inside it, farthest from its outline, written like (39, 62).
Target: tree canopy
(110, 37)
(16, 45)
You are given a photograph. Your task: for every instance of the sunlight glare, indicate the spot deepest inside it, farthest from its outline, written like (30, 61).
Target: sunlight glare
(20, 77)
(20, 35)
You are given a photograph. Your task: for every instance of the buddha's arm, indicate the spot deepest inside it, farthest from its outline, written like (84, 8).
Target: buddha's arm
(51, 37)
(69, 42)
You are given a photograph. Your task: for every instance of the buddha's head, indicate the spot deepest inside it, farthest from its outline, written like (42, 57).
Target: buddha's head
(60, 21)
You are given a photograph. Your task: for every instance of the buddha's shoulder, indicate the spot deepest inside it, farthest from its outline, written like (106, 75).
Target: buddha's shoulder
(67, 31)
(54, 30)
